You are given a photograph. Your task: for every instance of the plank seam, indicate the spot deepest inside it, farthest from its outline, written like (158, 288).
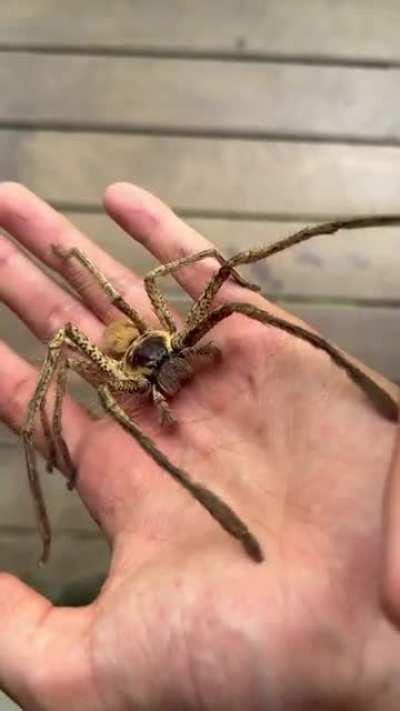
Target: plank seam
(186, 53)
(196, 132)
(211, 214)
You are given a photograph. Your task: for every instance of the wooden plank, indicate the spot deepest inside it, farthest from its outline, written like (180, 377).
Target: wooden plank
(200, 96)
(348, 30)
(370, 334)
(223, 177)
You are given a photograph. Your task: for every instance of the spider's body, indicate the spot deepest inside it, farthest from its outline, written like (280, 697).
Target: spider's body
(137, 359)
(153, 358)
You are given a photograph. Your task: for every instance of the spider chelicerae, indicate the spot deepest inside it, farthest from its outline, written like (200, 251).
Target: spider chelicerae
(156, 363)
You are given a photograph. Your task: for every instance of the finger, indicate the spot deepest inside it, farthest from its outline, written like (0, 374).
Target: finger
(391, 567)
(41, 645)
(36, 299)
(37, 226)
(167, 237)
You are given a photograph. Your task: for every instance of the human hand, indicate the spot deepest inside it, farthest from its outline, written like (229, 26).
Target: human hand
(185, 620)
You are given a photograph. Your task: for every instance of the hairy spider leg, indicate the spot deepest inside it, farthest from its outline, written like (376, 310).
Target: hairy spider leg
(48, 368)
(61, 384)
(382, 400)
(48, 436)
(207, 350)
(201, 307)
(156, 297)
(222, 513)
(52, 433)
(115, 297)
(165, 413)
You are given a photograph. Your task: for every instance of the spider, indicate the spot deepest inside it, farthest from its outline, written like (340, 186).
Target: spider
(156, 363)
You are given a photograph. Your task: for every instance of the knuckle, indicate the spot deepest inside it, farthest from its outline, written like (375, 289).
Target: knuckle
(7, 251)
(60, 314)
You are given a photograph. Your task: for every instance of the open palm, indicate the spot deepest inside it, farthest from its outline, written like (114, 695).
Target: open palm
(185, 620)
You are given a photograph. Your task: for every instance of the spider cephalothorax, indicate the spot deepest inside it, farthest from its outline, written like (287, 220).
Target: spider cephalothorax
(149, 352)
(156, 363)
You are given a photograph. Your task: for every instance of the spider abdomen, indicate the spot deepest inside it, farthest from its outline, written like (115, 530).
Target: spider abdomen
(173, 373)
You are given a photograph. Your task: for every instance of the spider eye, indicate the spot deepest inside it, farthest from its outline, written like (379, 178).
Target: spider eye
(150, 352)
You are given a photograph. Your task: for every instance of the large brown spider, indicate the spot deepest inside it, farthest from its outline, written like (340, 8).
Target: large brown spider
(156, 363)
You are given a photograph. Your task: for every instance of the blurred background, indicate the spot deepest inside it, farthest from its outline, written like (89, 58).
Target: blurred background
(250, 119)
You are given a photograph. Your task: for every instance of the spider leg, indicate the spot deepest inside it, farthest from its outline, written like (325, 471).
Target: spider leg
(103, 363)
(156, 297)
(201, 307)
(35, 404)
(222, 513)
(48, 435)
(206, 350)
(115, 297)
(60, 442)
(53, 433)
(167, 418)
(382, 400)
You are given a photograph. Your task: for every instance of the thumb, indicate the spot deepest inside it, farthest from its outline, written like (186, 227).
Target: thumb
(42, 651)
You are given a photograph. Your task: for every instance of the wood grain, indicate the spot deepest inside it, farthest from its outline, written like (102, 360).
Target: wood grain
(203, 176)
(154, 94)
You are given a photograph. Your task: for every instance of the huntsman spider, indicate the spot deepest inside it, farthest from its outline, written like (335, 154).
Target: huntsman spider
(156, 363)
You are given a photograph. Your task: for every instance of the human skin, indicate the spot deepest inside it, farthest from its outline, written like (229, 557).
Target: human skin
(185, 620)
